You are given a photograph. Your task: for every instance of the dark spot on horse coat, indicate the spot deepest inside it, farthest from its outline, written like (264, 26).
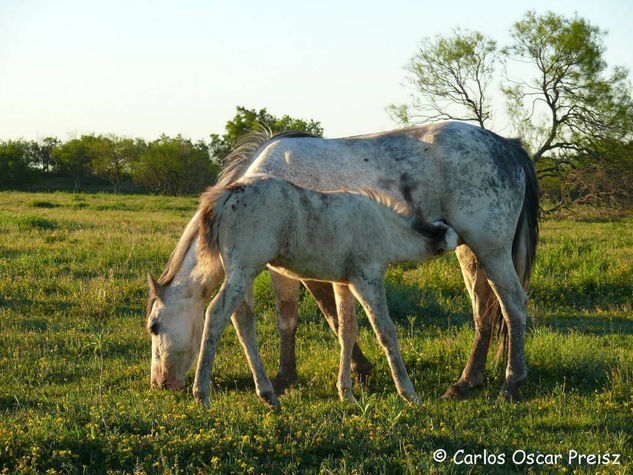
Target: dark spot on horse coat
(407, 186)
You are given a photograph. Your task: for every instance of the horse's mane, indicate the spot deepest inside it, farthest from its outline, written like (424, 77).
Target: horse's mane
(180, 251)
(246, 150)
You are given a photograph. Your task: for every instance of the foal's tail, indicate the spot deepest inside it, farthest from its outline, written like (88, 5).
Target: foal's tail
(211, 205)
(525, 238)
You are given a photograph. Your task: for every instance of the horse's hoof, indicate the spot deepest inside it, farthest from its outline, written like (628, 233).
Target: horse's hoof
(511, 392)
(459, 390)
(362, 371)
(282, 381)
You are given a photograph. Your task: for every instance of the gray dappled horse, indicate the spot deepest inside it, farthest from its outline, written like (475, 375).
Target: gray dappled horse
(480, 184)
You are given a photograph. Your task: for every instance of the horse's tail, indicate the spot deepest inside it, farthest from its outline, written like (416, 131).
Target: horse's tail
(525, 240)
(246, 150)
(209, 212)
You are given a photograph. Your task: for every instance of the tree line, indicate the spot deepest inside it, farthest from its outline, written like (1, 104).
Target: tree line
(573, 112)
(167, 165)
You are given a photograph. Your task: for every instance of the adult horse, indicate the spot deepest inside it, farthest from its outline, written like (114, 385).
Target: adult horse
(483, 185)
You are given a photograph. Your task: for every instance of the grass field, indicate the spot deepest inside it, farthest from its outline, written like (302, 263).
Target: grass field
(74, 359)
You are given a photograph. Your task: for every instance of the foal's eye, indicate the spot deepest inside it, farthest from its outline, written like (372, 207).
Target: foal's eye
(153, 329)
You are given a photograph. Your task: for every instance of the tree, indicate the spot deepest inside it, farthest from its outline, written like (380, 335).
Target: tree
(250, 120)
(41, 154)
(174, 166)
(450, 76)
(571, 106)
(111, 157)
(14, 163)
(74, 157)
(573, 113)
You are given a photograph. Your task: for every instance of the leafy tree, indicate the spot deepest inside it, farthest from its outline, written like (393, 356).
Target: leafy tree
(174, 166)
(571, 106)
(14, 163)
(574, 114)
(450, 76)
(74, 157)
(41, 154)
(250, 120)
(111, 157)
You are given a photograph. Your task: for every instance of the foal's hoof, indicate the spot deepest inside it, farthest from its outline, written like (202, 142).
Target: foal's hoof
(460, 390)
(283, 381)
(202, 398)
(411, 399)
(270, 399)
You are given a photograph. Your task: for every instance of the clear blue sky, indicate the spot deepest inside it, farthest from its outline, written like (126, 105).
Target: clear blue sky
(141, 68)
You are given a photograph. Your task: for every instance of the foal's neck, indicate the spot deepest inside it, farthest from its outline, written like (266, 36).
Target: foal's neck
(406, 243)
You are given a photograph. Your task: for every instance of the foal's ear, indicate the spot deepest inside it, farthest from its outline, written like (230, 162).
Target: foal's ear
(154, 287)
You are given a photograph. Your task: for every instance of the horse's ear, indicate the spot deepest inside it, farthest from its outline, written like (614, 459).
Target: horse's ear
(154, 287)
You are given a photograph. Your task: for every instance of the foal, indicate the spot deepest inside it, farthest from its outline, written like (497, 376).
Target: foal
(345, 238)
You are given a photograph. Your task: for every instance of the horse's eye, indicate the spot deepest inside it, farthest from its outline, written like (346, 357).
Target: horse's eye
(153, 329)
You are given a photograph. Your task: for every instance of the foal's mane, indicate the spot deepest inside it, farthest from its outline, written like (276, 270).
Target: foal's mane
(387, 200)
(180, 251)
(235, 163)
(417, 222)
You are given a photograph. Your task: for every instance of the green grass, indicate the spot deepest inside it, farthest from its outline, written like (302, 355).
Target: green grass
(74, 358)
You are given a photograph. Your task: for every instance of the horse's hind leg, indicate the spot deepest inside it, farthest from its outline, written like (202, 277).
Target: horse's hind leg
(324, 297)
(480, 293)
(371, 294)
(286, 304)
(217, 317)
(505, 282)
(347, 333)
(244, 320)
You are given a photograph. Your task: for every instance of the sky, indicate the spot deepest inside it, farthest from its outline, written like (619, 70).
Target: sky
(142, 68)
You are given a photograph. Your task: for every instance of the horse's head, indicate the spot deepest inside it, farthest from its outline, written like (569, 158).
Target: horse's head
(175, 325)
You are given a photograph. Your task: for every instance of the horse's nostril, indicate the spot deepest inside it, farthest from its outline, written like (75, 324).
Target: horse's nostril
(153, 329)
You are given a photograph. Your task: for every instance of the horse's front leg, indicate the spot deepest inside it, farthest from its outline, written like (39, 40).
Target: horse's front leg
(217, 317)
(347, 333)
(481, 297)
(370, 292)
(286, 304)
(324, 297)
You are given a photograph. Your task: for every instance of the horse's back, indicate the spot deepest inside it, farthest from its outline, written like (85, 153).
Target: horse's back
(457, 172)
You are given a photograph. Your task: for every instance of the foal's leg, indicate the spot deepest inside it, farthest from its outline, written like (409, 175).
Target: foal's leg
(371, 294)
(244, 320)
(286, 304)
(480, 293)
(324, 296)
(505, 282)
(217, 317)
(347, 333)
